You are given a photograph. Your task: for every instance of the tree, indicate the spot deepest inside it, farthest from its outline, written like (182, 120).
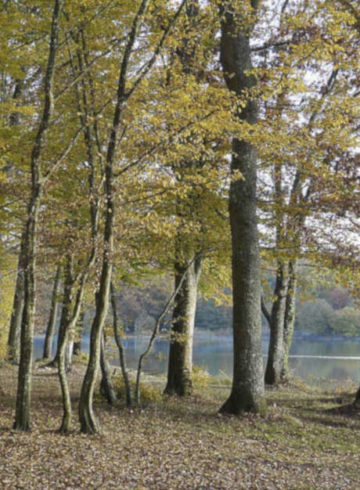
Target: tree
(22, 417)
(53, 314)
(125, 90)
(247, 392)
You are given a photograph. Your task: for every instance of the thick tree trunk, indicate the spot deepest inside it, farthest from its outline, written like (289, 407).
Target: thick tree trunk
(289, 321)
(17, 310)
(53, 314)
(121, 349)
(106, 386)
(276, 352)
(179, 380)
(247, 393)
(22, 413)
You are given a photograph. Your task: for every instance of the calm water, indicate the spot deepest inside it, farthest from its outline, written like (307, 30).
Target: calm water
(312, 360)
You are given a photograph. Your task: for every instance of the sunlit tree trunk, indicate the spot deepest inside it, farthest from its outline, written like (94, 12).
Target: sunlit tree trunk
(247, 393)
(53, 314)
(179, 380)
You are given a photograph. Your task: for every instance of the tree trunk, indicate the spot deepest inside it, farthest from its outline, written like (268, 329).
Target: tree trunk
(88, 422)
(69, 351)
(289, 321)
(121, 350)
(247, 393)
(276, 352)
(65, 323)
(18, 302)
(17, 310)
(106, 386)
(79, 333)
(179, 380)
(22, 413)
(53, 314)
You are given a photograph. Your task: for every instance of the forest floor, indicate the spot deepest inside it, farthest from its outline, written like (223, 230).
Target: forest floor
(309, 438)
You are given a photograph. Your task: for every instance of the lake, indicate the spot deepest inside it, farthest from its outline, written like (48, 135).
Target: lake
(313, 360)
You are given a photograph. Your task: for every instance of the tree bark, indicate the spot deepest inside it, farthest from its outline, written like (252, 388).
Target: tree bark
(121, 349)
(106, 386)
(79, 333)
(289, 321)
(17, 310)
(65, 324)
(179, 380)
(53, 314)
(22, 413)
(88, 421)
(276, 352)
(247, 393)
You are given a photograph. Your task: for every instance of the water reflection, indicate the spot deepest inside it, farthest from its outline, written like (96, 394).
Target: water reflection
(214, 352)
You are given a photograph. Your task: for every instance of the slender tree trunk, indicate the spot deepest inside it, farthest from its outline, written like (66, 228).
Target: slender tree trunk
(276, 352)
(247, 393)
(289, 321)
(121, 349)
(69, 352)
(79, 333)
(65, 323)
(17, 310)
(18, 302)
(179, 380)
(106, 386)
(22, 413)
(88, 421)
(53, 314)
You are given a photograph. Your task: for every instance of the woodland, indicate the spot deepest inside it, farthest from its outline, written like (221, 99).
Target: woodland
(195, 150)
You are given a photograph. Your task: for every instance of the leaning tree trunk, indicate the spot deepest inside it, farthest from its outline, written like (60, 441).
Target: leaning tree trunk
(17, 310)
(276, 353)
(179, 380)
(22, 413)
(53, 314)
(247, 393)
(289, 320)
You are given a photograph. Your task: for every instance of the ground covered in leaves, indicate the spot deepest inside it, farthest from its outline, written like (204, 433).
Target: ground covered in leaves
(305, 441)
